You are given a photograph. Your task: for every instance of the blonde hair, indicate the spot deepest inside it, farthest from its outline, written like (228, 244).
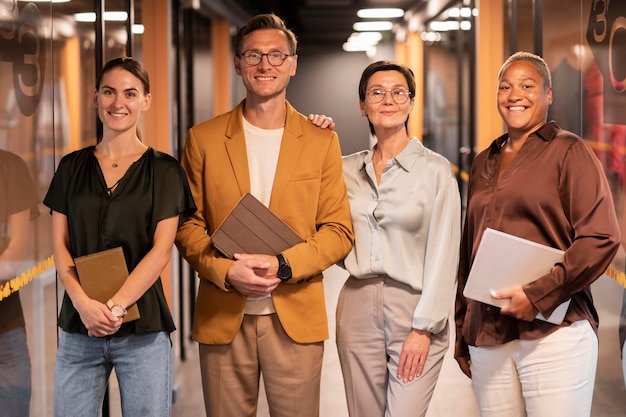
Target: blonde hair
(265, 21)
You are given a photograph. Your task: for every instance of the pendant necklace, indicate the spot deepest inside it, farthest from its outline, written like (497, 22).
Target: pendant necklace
(114, 164)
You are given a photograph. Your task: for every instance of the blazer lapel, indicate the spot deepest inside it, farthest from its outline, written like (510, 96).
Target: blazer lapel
(290, 149)
(236, 149)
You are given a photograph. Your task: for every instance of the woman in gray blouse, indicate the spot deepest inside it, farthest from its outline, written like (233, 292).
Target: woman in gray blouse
(392, 313)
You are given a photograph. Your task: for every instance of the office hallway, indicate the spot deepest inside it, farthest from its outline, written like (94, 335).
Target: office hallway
(453, 395)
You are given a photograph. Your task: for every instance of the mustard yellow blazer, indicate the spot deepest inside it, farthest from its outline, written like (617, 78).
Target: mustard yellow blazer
(309, 194)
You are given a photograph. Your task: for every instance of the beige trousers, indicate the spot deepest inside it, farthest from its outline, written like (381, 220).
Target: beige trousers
(374, 317)
(291, 372)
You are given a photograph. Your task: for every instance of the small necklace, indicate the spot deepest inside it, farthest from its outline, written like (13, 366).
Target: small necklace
(114, 164)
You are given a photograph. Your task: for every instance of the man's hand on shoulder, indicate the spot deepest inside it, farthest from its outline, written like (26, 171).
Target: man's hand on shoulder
(320, 120)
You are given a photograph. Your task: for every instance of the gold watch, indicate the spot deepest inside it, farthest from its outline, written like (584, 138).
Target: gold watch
(116, 309)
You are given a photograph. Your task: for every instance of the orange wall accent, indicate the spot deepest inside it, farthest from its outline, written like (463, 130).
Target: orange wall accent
(70, 55)
(415, 60)
(411, 53)
(222, 65)
(157, 58)
(157, 126)
(489, 58)
(401, 51)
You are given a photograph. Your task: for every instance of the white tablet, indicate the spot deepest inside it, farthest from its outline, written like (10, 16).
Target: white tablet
(503, 262)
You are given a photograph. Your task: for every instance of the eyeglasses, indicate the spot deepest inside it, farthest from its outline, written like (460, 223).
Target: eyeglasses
(275, 58)
(399, 95)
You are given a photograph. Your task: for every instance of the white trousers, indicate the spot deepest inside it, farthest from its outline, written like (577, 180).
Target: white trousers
(553, 376)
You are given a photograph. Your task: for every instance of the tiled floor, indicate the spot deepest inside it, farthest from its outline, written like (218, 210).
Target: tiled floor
(453, 395)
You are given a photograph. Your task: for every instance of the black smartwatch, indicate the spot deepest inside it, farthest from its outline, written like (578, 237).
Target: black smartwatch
(284, 270)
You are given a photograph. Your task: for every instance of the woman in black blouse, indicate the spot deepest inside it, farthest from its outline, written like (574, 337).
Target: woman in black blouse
(117, 193)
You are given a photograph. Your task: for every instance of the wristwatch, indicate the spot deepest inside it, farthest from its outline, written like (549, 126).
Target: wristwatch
(284, 270)
(116, 309)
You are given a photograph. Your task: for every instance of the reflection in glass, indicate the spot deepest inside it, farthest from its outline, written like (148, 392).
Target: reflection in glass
(18, 206)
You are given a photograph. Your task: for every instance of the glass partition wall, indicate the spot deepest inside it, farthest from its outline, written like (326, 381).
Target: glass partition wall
(449, 42)
(584, 44)
(48, 62)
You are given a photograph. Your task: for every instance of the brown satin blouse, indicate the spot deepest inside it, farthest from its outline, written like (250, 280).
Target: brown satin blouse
(555, 193)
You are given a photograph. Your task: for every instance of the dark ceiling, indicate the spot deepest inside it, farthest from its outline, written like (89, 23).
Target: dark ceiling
(323, 23)
(318, 24)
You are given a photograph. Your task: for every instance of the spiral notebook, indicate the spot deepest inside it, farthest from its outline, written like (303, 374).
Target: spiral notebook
(503, 262)
(101, 274)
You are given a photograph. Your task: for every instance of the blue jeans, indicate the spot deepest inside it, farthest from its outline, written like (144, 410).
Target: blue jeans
(143, 365)
(15, 370)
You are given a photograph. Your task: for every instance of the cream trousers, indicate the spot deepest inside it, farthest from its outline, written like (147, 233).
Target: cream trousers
(549, 377)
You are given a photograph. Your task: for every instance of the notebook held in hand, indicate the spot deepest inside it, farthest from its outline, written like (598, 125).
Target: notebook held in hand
(101, 275)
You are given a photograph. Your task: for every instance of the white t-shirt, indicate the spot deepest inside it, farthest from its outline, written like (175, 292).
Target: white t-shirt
(263, 148)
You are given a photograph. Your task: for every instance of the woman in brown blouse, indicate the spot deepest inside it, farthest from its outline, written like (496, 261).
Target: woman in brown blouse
(543, 184)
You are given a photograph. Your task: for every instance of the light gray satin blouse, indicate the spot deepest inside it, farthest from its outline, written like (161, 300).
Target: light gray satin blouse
(407, 227)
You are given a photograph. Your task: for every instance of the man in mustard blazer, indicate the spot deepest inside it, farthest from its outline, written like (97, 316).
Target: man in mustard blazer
(251, 317)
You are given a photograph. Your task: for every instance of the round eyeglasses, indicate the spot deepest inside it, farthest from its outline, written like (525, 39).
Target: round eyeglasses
(399, 95)
(275, 58)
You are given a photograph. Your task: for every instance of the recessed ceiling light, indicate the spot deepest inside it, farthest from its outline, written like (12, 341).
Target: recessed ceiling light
(466, 25)
(108, 16)
(365, 38)
(372, 26)
(447, 25)
(85, 17)
(355, 47)
(380, 13)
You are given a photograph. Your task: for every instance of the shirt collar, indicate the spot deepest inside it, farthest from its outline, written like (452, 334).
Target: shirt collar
(405, 159)
(547, 132)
